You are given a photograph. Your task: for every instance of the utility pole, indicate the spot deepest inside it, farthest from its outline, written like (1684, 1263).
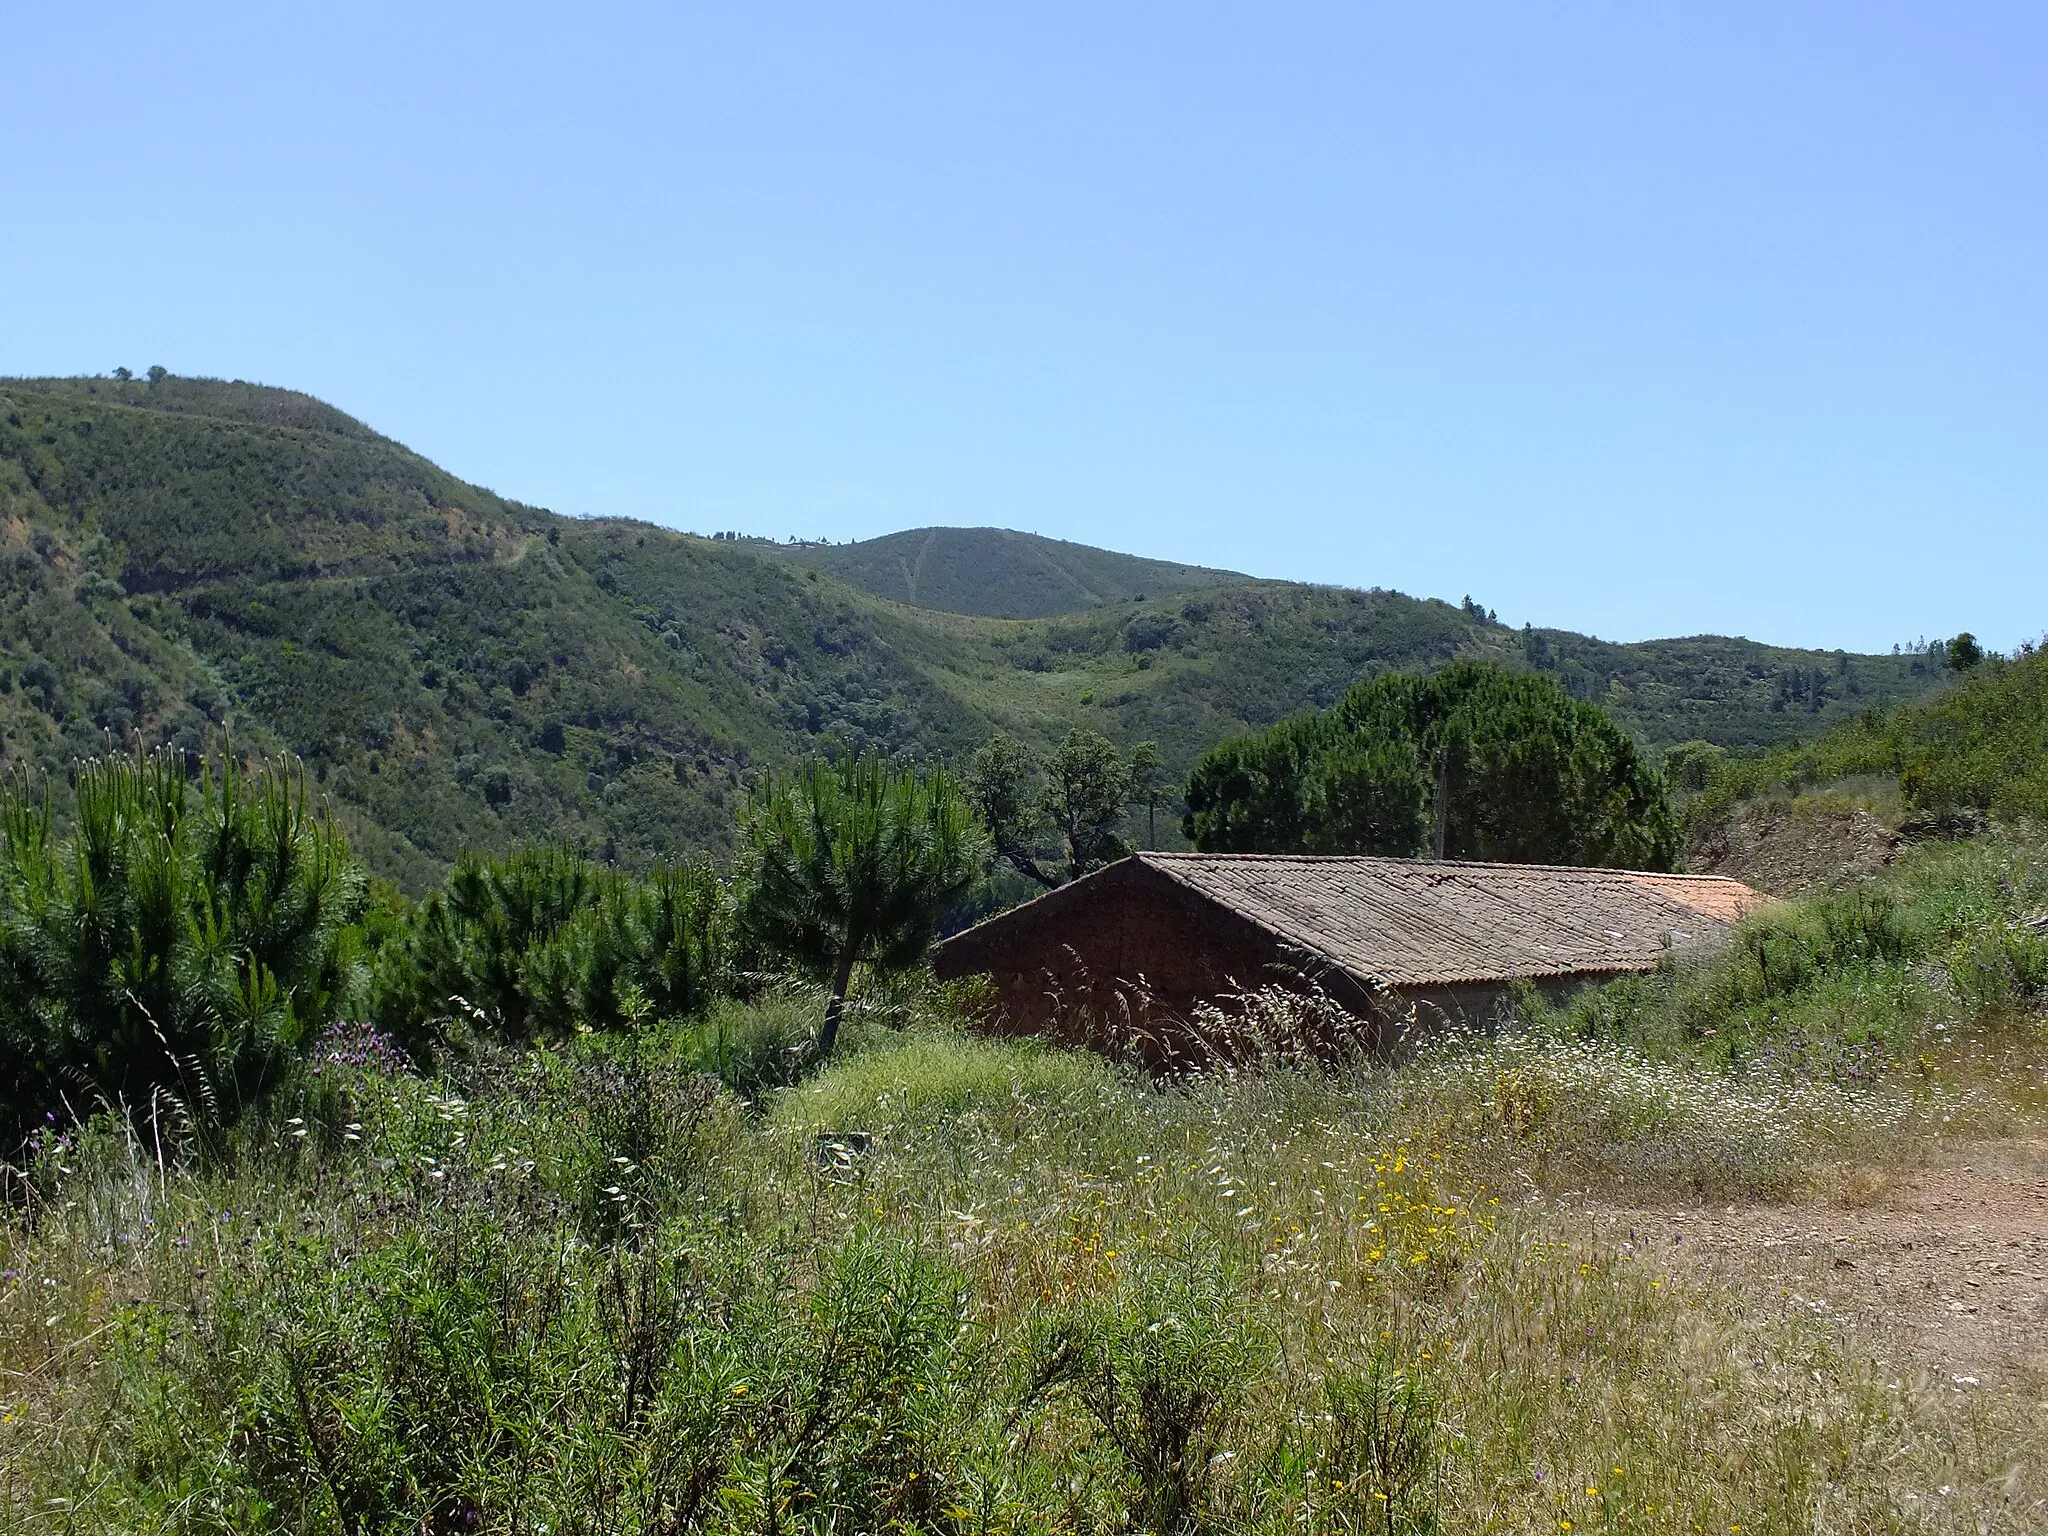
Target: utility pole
(1443, 797)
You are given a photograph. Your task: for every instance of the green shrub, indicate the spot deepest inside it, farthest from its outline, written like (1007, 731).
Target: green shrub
(2000, 966)
(756, 1045)
(465, 1375)
(1783, 949)
(184, 942)
(1163, 1367)
(541, 942)
(1383, 1444)
(1843, 984)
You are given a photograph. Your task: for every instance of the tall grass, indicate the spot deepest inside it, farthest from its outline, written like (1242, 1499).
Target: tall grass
(947, 1284)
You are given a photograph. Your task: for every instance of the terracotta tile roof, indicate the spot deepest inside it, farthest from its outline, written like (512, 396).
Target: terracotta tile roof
(1406, 923)
(1421, 922)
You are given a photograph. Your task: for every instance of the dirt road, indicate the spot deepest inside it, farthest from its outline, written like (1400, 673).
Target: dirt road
(1949, 1259)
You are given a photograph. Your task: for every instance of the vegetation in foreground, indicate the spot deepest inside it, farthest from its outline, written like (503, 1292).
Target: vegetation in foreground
(622, 1281)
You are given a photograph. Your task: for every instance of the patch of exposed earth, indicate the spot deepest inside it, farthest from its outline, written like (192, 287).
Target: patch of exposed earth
(1948, 1260)
(1791, 847)
(1813, 843)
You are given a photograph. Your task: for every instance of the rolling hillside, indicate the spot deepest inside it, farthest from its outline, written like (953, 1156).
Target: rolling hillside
(997, 573)
(458, 668)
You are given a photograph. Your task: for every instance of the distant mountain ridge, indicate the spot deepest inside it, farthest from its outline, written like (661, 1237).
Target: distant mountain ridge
(1000, 573)
(458, 669)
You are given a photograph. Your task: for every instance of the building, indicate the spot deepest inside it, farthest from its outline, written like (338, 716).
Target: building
(1131, 951)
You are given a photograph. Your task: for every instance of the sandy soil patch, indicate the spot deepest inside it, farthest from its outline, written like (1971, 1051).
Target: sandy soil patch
(1948, 1261)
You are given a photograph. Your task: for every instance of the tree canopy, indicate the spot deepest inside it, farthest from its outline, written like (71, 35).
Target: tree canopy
(1055, 821)
(853, 863)
(1511, 766)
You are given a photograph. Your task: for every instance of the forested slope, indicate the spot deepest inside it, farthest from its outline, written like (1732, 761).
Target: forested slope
(999, 573)
(457, 669)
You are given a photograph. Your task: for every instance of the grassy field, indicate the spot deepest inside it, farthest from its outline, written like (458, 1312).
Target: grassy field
(953, 1284)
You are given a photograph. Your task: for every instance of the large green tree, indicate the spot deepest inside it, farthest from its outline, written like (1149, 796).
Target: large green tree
(1492, 764)
(1054, 821)
(854, 863)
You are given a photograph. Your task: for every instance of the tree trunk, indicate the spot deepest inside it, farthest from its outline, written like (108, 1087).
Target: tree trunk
(828, 1036)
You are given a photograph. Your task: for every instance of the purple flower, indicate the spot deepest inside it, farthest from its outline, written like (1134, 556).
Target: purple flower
(359, 1043)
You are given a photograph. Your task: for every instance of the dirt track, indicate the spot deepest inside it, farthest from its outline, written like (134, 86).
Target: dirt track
(1949, 1260)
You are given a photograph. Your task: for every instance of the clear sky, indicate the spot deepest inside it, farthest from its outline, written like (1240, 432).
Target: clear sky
(1637, 319)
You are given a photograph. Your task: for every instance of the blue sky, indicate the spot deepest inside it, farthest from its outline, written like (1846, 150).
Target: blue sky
(1642, 320)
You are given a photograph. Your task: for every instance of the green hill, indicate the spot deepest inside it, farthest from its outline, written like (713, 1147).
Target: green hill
(1979, 748)
(998, 573)
(456, 668)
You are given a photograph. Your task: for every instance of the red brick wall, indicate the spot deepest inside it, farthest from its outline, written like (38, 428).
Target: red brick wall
(1122, 964)
(1135, 963)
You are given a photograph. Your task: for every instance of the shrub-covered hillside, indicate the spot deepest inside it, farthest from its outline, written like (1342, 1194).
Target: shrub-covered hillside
(461, 670)
(1980, 749)
(996, 572)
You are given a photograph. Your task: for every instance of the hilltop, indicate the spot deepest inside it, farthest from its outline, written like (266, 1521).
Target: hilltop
(998, 573)
(457, 668)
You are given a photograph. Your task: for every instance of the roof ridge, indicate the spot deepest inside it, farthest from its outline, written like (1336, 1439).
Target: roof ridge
(1190, 857)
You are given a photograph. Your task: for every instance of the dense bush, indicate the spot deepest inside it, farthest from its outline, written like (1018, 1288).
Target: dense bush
(542, 942)
(180, 944)
(1845, 983)
(1984, 746)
